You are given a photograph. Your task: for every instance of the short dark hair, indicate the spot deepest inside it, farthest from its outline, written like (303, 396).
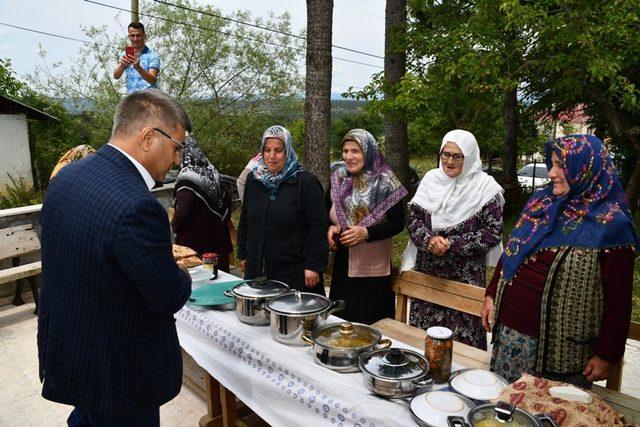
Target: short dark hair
(137, 26)
(149, 107)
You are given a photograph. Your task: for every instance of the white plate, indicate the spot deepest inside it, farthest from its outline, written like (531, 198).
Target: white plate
(478, 384)
(433, 407)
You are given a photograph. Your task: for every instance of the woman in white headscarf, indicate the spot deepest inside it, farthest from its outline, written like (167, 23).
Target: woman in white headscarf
(455, 229)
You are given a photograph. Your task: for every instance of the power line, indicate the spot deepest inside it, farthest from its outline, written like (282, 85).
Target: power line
(224, 32)
(237, 21)
(60, 36)
(360, 8)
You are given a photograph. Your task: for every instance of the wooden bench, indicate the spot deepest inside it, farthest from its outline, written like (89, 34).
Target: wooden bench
(465, 298)
(16, 242)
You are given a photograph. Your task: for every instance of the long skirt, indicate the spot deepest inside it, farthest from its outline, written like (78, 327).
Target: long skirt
(514, 353)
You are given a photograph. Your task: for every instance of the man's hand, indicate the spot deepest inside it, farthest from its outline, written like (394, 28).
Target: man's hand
(487, 313)
(333, 231)
(438, 245)
(598, 369)
(354, 235)
(129, 60)
(243, 265)
(311, 278)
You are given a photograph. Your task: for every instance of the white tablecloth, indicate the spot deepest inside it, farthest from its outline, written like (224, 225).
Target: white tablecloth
(282, 384)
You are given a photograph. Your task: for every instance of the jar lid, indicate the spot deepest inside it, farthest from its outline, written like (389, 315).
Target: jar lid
(261, 288)
(209, 255)
(394, 364)
(501, 413)
(347, 335)
(298, 303)
(439, 332)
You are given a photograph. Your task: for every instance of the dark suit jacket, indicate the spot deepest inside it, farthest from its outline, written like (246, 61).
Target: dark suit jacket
(288, 233)
(107, 340)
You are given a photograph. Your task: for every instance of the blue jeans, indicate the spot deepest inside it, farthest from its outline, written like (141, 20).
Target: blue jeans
(145, 418)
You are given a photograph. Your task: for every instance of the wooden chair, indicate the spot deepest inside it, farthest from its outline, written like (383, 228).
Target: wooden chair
(16, 242)
(465, 298)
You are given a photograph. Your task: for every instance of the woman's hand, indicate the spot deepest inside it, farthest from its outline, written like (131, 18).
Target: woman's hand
(487, 313)
(243, 265)
(598, 369)
(438, 245)
(331, 233)
(311, 278)
(354, 235)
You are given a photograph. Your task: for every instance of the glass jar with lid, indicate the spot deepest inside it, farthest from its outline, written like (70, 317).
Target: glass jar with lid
(210, 262)
(438, 349)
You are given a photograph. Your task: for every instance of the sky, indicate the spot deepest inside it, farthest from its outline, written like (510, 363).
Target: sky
(357, 24)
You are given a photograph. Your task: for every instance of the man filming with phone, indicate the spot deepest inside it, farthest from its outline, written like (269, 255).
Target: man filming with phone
(140, 63)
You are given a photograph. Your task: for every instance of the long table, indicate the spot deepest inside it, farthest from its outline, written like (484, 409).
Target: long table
(285, 387)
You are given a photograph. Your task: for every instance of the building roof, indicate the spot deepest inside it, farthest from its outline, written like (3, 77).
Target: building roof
(11, 106)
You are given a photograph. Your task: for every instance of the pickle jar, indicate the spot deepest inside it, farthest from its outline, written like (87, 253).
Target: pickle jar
(438, 349)
(210, 262)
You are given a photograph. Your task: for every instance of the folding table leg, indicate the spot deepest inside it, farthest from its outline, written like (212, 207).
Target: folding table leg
(214, 406)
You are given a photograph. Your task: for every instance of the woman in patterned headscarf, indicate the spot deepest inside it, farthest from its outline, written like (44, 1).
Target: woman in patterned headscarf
(202, 207)
(281, 235)
(365, 214)
(455, 230)
(563, 287)
(76, 153)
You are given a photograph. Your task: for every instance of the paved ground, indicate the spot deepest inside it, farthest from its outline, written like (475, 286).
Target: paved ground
(20, 402)
(22, 406)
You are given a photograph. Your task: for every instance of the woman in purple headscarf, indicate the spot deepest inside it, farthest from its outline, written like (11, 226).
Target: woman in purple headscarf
(562, 289)
(365, 213)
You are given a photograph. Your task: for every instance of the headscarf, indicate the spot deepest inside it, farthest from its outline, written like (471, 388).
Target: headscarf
(76, 153)
(198, 175)
(363, 199)
(292, 165)
(594, 214)
(451, 201)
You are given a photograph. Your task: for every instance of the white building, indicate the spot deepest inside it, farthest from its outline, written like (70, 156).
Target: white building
(15, 146)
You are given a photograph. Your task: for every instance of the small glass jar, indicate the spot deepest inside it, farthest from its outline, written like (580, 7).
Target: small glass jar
(210, 262)
(438, 349)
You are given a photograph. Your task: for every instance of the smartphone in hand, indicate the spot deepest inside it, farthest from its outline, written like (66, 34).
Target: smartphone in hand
(130, 51)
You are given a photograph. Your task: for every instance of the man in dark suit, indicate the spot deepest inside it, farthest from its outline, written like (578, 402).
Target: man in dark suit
(107, 341)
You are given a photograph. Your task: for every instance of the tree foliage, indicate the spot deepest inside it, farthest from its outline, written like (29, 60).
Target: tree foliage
(231, 79)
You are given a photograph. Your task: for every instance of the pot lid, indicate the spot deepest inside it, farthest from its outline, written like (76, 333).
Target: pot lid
(298, 303)
(260, 288)
(346, 335)
(478, 384)
(434, 407)
(501, 413)
(394, 364)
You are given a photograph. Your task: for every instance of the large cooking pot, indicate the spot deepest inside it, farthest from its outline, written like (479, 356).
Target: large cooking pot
(338, 346)
(394, 373)
(251, 297)
(501, 414)
(297, 313)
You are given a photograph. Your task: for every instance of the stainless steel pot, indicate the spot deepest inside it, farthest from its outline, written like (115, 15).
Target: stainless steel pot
(297, 313)
(394, 373)
(251, 298)
(501, 414)
(338, 346)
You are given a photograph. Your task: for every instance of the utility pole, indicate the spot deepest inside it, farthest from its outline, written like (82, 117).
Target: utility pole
(134, 11)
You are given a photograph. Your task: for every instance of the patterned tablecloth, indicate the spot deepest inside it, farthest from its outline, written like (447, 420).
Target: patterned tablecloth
(282, 384)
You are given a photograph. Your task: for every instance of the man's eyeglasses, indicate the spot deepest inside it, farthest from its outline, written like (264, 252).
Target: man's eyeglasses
(179, 144)
(445, 155)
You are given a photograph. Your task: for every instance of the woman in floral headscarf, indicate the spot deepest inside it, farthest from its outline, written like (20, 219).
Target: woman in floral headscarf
(455, 230)
(76, 153)
(563, 287)
(202, 207)
(281, 235)
(365, 213)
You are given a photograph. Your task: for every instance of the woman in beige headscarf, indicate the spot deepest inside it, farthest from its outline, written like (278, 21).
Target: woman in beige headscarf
(76, 153)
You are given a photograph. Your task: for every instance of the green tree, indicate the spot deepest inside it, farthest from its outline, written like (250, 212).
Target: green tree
(229, 77)
(9, 85)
